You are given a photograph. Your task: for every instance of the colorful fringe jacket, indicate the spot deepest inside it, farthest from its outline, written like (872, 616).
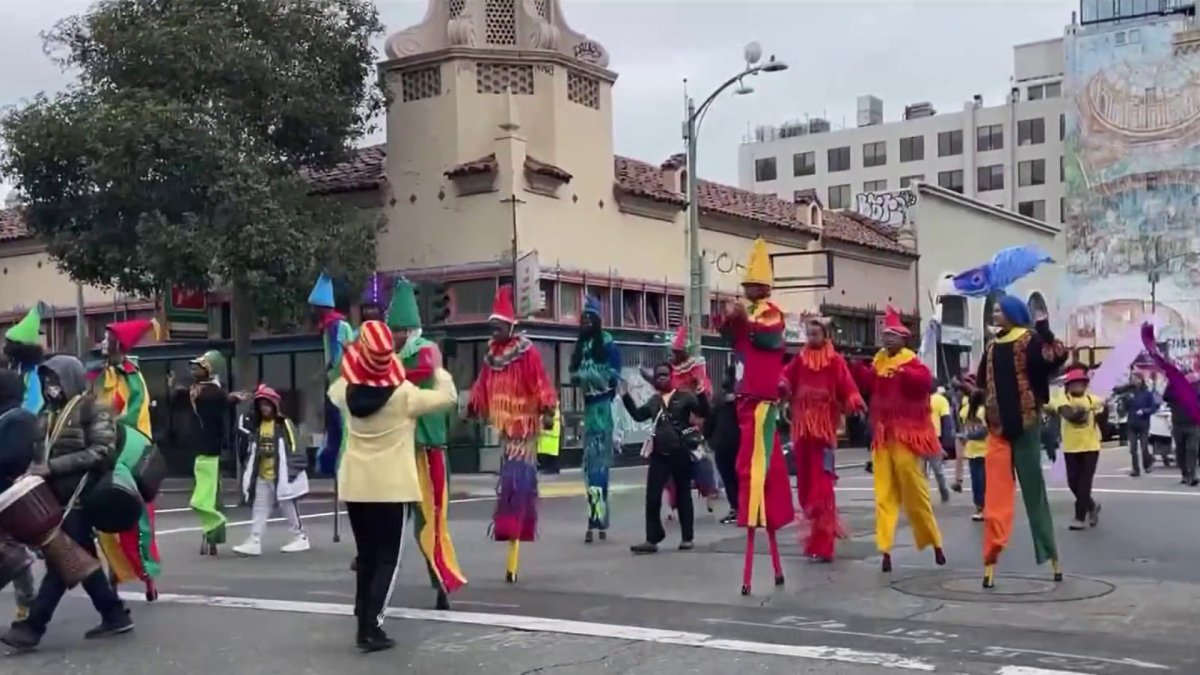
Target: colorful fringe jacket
(123, 388)
(822, 390)
(900, 411)
(757, 339)
(513, 391)
(1015, 376)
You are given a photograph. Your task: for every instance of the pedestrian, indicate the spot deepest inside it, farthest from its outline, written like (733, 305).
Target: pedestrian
(901, 438)
(863, 374)
(275, 475)
(1015, 375)
(820, 390)
(1080, 442)
(674, 438)
(132, 554)
(688, 373)
(18, 449)
(82, 438)
(596, 369)
(973, 437)
(943, 425)
(1140, 403)
(1185, 432)
(721, 434)
(378, 476)
(513, 393)
(755, 333)
(421, 358)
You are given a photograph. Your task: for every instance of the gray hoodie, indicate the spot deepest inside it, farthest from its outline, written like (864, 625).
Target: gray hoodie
(87, 440)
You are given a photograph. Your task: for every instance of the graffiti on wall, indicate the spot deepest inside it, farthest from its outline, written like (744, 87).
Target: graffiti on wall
(889, 208)
(1132, 171)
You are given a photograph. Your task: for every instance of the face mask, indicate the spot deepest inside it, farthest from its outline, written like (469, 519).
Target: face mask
(54, 392)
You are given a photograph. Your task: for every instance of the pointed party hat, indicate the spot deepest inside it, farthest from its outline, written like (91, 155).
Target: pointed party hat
(28, 330)
(403, 313)
(502, 306)
(680, 343)
(129, 333)
(758, 268)
(892, 322)
(322, 293)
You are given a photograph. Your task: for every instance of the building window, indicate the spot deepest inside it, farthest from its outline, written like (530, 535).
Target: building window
(875, 186)
(1035, 209)
(1062, 127)
(1031, 172)
(1062, 169)
(839, 196)
(1054, 90)
(764, 169)
(472, 298)
(989, 137)
(655, 310)
(631, 308)
(583, 90)
(912, 149)
(950, 143)
(1036, 93)
(989, 178)
(906, 181)
(954, 310)
(675, 315)
(804, 164)
(570, 301)
(951, 180)
(839, 159)
(421, 83)
(875, 154)
(499, 78)
(1062, 209)
(1031, 132)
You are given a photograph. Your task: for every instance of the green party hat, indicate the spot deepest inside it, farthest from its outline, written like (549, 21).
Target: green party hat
(403, 313)
(213, 361)
(28, 330)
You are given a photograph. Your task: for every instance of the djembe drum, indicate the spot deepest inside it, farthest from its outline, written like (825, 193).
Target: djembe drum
(31, 515)
(114, 503)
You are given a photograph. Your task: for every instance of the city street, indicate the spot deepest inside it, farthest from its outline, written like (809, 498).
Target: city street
(1126, 607)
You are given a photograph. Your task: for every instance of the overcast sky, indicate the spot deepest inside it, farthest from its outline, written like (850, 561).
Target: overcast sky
(902, 51)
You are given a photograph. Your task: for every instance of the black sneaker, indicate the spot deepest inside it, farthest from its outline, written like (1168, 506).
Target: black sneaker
(686, 546)
(376, 641)
(730, 518)
(21, 636)
(644, 548)
(118, 625)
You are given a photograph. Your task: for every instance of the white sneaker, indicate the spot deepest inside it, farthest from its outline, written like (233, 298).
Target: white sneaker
(298, 545)
(250, 548)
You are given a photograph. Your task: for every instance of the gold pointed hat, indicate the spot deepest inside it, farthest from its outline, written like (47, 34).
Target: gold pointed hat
(758, 268)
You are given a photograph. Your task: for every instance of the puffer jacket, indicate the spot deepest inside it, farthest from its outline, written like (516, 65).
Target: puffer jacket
(87, 439)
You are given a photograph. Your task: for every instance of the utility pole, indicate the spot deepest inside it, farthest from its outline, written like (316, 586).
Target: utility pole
(514, 201)
(80, 329)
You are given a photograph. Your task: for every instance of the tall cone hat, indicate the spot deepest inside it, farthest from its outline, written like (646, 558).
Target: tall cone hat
(758, 268)
(28, 330)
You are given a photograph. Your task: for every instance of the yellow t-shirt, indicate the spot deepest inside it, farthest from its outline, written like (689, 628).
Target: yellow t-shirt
(973, 449)
(267, 451)
(1079, 437)
(939, 407)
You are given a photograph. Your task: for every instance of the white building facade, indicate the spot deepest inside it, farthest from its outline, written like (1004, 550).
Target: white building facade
(1008, 155)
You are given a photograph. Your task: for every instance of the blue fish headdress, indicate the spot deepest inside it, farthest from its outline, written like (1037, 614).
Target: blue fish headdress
(1005, 268)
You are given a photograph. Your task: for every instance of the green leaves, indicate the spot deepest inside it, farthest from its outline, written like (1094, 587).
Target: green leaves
(176, 156)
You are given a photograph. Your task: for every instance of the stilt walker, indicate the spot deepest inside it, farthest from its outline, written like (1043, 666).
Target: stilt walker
(821, 389)
(1015, 375)
(132, 554)
(901, 437)
(516, 397)
(421, 359)
(756, 334)
(596, 369)
(336, 333)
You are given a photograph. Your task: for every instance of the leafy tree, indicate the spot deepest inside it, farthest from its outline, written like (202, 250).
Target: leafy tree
(178, 155)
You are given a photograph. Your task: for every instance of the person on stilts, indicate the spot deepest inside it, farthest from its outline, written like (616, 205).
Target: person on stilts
(901, 439)
(513, 394)
(596, 369)
(1015, 375)
(756, 336)
(821, 389)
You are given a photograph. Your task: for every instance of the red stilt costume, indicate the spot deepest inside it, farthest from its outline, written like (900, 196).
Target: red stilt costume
(756, 334)
(821, 389)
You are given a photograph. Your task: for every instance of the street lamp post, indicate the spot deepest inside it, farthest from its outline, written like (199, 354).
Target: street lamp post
(695, 300)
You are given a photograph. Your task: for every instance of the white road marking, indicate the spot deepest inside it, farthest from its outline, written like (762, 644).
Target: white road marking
(1119, 662)
(562, 627)
(1023, 670)
(817, 628)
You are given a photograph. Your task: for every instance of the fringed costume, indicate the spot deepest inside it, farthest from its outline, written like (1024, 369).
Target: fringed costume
(821, 390)
(1015, 375)
(336, 333)
(132, 554)
(421, 359)
(595, 369)
(756, 336)
(901, 437)
(514, 394)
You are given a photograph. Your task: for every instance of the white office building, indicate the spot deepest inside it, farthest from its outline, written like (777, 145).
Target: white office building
(1008, 154)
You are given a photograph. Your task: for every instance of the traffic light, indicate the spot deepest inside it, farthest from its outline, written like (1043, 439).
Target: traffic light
(439, 303)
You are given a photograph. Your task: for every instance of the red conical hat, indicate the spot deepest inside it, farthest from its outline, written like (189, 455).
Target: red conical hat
(129, 333)
(502, 306)
(892, 322)
(680, 343)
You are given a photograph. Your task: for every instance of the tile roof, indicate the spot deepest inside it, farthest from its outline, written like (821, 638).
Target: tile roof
(363, 170)
(545, 169)
(856, 228)
(11, 225)
(482, 165)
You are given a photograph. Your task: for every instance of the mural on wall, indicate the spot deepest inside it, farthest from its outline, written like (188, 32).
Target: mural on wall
(1132, 171)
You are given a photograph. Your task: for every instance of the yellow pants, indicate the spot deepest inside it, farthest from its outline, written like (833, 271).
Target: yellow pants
(900, 479)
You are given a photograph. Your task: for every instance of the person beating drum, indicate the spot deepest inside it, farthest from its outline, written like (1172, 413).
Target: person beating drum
(81, 438)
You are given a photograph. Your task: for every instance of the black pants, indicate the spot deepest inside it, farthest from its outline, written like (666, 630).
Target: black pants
(677, 468)
(1187, 447)
(50, 593)
(378, 530)
(1081, 470)
(1139, 443)
(727, 466)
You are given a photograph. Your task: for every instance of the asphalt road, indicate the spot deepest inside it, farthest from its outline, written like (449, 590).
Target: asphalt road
(1127, 606)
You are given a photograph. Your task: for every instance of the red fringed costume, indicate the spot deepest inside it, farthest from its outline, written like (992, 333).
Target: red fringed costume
(821, 390)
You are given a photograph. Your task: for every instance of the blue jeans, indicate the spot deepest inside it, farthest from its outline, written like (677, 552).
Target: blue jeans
(978, 473)
(104, 598)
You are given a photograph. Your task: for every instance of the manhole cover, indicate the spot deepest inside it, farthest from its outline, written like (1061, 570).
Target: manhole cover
(1009, 588)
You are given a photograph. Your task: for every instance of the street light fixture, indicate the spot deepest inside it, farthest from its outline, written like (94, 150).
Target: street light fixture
(691, 124)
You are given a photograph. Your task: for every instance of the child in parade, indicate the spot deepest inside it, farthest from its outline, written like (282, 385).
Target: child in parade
(973, 439)
(1080, 442)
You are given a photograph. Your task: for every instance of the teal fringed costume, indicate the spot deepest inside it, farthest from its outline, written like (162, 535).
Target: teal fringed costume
(596, 368)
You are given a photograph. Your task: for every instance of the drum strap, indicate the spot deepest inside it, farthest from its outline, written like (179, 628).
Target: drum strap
(55, 430)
